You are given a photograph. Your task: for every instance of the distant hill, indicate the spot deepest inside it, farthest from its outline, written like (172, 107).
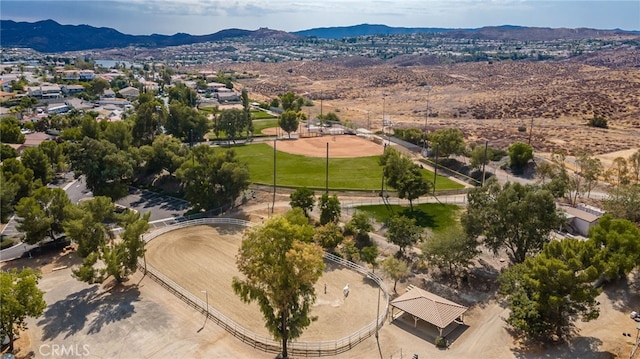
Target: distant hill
(367, 29)
(504, 32)
(50, 36)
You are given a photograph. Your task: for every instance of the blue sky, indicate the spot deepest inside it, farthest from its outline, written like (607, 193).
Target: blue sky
(143, 17)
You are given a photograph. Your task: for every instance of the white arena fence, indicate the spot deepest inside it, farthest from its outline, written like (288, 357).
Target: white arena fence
(267, 344)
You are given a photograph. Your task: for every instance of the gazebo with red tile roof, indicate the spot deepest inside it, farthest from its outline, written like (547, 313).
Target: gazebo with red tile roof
(429, 307)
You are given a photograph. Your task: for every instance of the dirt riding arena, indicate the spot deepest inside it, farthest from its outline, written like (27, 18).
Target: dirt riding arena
(202, 258)
(340, 146)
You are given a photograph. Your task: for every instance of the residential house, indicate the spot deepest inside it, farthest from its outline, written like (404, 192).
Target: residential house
(130, 92)
(215, 86)
(227, 97)
(581, 219)
(45, 91)
(5, 85)
(5, 96)
(86, 75)
(150, 86)
(108, 93)
(71, 89)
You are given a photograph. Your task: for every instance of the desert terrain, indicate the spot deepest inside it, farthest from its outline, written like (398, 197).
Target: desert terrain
(487, 101)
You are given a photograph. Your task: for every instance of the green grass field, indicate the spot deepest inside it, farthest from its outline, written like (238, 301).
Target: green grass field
(362, 173)
(261, 115)
(433, 215)
(259, 125)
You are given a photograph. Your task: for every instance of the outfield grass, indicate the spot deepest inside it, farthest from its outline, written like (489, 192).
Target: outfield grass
(362, 173)
(261, 115)
(259, 125)
(433, 215)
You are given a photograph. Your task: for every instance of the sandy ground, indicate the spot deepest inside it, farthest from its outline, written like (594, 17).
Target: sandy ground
(203, 258)
(141, 319)
(340, 146)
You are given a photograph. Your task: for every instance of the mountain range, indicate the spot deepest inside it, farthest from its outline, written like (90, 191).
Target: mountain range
(50, 37)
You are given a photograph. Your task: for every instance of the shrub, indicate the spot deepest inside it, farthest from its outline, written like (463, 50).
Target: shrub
(522, 129)
(6, 243)
(598, 121)
(441, 342)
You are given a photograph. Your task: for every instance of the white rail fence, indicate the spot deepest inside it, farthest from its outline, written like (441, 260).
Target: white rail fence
(267, 344)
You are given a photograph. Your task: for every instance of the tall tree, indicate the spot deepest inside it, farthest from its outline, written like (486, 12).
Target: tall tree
(35, 159)
(519, 155)
(449, 141)
(359, 225)
(106, 169)
(15, 172)
(166, 153)
(402, 174)
(624, 202)
(56, 153)
(10, 129)
(369, 254)
(186, 123)
(634, 163)
(451, 250)
(42, 214)
(150, 116)
(516, 217)
(304, 198)
(330, 210)
(328, 236)
(103, 254)
(289, 102)
(280, 267)
(232, 122)
(590, 170)
(396, 268)
(289, 121)
(20, 298)
(119, 133)
(619, 243)
(479, 157)
(8, 192)
(550, 291)
(404, 232)
(213, 178)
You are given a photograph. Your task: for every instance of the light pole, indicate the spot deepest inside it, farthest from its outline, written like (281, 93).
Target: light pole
(425, 147)
(206, 296)
(384, 95)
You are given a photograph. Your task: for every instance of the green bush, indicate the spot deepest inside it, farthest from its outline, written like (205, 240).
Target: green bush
(598, 121)
(6, 243)
(441, 342)
(522, 129)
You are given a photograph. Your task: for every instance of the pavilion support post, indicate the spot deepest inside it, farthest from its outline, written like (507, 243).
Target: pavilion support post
(440, 329)
(415, 321)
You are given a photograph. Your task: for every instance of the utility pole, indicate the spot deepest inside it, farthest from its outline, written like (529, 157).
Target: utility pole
(484, 160)
(425, 146)
(326, 181)
(384, 95)
(435, 171)
(274, 175)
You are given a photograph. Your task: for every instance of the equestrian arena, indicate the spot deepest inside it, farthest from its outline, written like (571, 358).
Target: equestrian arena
(196, 261)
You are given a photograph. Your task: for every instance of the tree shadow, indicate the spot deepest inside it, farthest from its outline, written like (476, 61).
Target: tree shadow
(69, 316)
(422, 218)
(623, 298)
(580, 347)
